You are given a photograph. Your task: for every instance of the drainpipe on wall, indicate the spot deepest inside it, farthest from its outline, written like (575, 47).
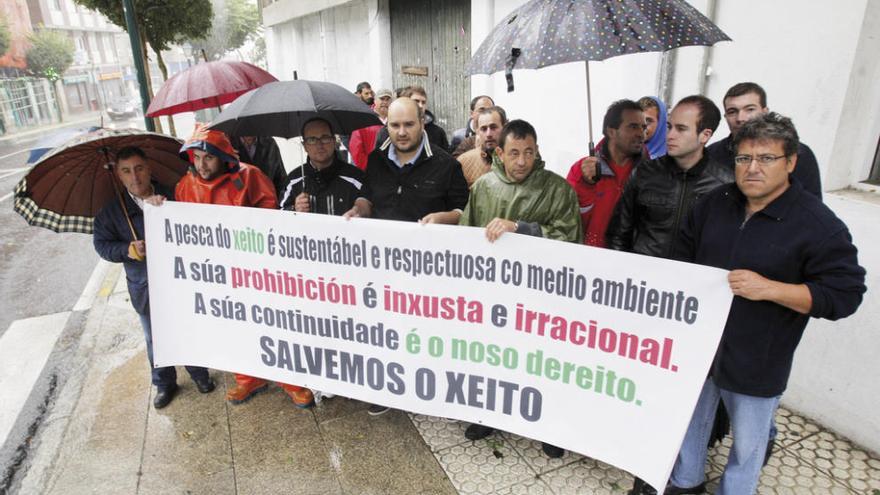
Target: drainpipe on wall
(705, 68)
(666, 76)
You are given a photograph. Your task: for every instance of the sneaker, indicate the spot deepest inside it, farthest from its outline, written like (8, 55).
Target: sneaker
(376, 409)
(478, 432)
(243, 393)
(641, 488)
(552, 451)
(302, 397)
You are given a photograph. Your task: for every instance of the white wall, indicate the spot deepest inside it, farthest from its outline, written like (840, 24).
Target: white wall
(836, 365)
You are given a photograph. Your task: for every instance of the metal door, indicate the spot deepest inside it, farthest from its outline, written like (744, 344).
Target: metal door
(430, 47)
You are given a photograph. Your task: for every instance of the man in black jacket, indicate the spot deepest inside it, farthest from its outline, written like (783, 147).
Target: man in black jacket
(661, 192)
(747, 100)
(114, 241)
(791, 259)
(325, 184)
(410, 178)
(264, 153)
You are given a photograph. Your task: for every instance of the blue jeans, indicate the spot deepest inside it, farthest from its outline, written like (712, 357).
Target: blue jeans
(750, 421)
(166, 377)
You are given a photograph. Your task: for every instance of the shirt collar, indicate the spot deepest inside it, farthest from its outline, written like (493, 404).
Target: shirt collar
(780, 207)
(392, 152)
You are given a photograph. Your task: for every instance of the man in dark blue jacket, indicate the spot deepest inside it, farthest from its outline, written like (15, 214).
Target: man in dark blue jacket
(114, 241)
(791, 259)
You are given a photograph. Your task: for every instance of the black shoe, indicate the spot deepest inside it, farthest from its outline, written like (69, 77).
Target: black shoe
(641, 488)
(164, 396)
(205, 386)
(552, 451)
(769, 451)
(478, 432)
(674, 490)
(376, 409)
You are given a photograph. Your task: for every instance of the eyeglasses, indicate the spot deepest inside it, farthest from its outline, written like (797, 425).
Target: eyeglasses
(325, 139)
(763, 160)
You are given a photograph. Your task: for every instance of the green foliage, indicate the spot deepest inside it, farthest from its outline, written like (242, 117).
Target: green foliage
(161, 22)
(5, 36)
(232, 26)
(50, 54)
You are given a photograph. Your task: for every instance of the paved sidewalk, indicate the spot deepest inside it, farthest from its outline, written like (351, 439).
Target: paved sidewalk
(103, 436)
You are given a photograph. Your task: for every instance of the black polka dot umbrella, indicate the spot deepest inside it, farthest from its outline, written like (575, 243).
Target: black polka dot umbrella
(550, 32)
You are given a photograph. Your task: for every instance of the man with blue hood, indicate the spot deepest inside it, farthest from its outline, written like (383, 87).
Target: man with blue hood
(655, 117)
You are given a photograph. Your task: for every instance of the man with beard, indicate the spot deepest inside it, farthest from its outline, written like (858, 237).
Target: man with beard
(599, 180)
(478, 161)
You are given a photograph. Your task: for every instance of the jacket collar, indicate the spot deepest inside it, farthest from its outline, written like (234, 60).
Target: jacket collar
(425, 154)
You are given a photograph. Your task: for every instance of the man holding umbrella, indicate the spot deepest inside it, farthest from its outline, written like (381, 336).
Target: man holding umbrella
(217, 177)
(119, 238)
(599, 180)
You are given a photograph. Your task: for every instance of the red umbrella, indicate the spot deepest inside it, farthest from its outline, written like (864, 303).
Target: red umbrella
(207, 85)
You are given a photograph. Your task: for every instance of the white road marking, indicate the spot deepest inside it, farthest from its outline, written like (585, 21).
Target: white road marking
(11, 171)
(13, 154)
(24, 350)
(92, 286)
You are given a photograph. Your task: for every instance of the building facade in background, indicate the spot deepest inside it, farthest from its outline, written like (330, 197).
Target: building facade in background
(102, 54)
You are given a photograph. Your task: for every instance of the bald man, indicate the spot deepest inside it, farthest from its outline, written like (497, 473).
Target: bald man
(411, 179)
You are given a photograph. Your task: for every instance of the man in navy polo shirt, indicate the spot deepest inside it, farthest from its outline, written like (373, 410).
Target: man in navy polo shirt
(791, 259)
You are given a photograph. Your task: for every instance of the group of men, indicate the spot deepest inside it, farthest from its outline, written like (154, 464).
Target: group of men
(750, 203)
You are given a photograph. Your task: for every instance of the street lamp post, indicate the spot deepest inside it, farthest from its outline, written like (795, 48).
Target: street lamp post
(135, 38)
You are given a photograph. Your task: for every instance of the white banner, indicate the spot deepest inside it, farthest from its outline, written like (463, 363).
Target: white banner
(595, 351)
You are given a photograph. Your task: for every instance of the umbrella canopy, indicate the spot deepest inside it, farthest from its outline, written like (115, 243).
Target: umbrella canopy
(54, 140)
(550, 32)
(281, 108)
(67, 187)
(207, 85)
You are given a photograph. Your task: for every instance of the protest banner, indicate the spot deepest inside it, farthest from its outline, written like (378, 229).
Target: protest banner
(595, 351)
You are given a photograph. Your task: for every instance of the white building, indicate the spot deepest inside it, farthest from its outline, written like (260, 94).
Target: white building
(817, 61)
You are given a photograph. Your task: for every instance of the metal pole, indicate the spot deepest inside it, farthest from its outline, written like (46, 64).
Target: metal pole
(135, 40)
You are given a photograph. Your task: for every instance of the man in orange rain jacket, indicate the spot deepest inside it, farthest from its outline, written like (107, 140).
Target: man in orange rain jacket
(217, 177)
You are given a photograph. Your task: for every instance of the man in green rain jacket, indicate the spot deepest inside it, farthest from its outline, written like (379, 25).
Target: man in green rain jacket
(519, 195)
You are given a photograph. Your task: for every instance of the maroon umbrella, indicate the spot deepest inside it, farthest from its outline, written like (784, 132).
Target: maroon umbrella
(207, 85)
(68, 186)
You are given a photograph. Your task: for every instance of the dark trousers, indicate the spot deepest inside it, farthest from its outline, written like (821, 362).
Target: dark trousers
(166, 377)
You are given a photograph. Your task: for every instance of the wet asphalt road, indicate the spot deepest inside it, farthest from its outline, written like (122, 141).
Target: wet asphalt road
(41, 272)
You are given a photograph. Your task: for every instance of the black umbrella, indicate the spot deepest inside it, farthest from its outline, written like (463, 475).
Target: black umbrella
(550, 32)
(281, 108)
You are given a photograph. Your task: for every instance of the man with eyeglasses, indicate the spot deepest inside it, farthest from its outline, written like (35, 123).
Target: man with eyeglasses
(325, 184)
(791, 259)
(747, 100)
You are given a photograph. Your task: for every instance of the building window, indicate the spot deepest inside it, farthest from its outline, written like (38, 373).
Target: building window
(56, 4)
